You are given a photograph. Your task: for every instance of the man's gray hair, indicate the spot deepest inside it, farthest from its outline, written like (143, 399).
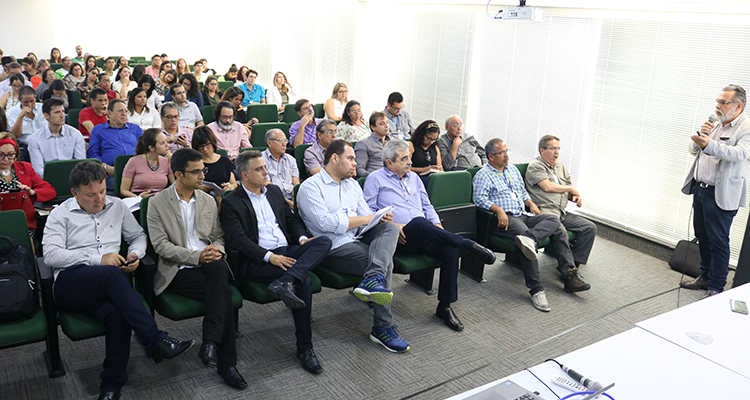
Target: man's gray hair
(392, 148)
(448, 120)
(243, 160)
(272, 132)
(489, 148)
(168, 105)
(321, 128)
(546, 139)
(739, 94)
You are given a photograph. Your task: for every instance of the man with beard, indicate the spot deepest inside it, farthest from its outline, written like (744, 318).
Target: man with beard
(230, 134)
(718, 182)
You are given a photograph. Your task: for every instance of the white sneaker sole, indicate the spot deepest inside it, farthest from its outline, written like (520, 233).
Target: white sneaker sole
(527, 250)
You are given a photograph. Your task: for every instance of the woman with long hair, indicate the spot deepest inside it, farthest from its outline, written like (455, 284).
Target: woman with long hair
(123, 84)
(74, 77)
(191, 88)
(139, 112)
(148, 84)
(10, 98)
(138, 71)
(220, 169)
(166, 79)
(211, 93)
(353, 127)
(148, 172)
(334, 106)
(241, 75)
(425, 156)
(281, 93)
(182, 67)
(85, 87)
(90, 63)
(54, 56)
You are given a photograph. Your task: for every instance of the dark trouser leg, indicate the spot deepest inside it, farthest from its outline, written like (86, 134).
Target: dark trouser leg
(585, 231)
(424, 237)
(530, 268)
(558, 239)
(104, 293)
(359, 258)
(210, 284)
(712, 225)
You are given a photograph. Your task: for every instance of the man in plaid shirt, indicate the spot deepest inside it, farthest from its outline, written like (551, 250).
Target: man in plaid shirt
(500, 188)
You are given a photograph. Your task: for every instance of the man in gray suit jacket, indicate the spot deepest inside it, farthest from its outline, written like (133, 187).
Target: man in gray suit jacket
(718, 182)
(183, 223)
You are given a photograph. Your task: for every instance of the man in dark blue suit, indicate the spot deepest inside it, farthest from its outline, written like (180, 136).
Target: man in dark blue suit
(274, 246)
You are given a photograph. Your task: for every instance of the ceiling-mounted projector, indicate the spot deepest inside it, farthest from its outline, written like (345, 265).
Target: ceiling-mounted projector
(523, 13)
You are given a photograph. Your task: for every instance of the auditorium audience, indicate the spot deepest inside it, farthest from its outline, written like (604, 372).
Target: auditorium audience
(148, 172)
(10, 98)
(138, 71)
(334, 106)
(400, 124)
(19, 175)
(147, 83)
(231, 75)
(109, 67)
(181, 67)
(198, 73)
(13, 68)
(167, 79)
(57, 140)
(139, 112)
(65, 69)
(90, 63)
(30, 71)
(154, 69)
(353, 127)
(105, 83)
(459, 151)
(190, 84)
(54, 56)
(123, 84)
(241, 75)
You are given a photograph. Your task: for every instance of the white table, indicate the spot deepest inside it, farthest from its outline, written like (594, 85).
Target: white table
(642, 366)
(729, 331)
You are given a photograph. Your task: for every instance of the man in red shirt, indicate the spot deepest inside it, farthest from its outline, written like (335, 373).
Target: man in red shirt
(94, 115)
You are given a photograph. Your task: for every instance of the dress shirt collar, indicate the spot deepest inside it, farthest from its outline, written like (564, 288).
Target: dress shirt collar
(736, 120)
(48, 132)
(250, 194)
(75, 207)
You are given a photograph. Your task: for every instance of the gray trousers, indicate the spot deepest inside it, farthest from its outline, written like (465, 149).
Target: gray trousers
(371, 255)
(585, 234)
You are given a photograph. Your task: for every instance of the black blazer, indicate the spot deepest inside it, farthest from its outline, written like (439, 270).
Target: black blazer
(240, 224)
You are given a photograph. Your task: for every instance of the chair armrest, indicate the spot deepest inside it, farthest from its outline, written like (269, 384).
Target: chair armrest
(144, 280)
(233, 259)
(486, 224)
(45, 272)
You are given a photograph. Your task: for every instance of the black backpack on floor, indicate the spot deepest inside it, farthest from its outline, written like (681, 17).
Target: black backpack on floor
(17, 281)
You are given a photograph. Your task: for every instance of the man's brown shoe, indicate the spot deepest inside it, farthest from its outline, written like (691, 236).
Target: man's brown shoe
(696, 284)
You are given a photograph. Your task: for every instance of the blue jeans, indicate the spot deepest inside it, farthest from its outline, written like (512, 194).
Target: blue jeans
(712, 225)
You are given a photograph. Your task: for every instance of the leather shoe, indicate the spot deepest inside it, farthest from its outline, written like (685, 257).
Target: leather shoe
(309, 361)
(450, 318)
(232, 377)
(207, 354)
(484, 254)
(170, 348)
(696, 284)
(109, 395)
(708, 294)
(285, 292)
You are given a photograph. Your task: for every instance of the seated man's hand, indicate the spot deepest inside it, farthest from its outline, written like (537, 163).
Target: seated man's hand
(112, 259)
(401, 235)
(387, 218)
(534, 209)
(502, 219)
(303, 241)
(210, 253)
(131, 267)
(282, 262)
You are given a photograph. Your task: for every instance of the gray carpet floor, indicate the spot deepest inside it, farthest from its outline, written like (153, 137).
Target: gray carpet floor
(504, 334)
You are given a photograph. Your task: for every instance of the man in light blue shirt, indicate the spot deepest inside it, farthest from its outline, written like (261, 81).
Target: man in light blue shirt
(282, 168)
(331, 204)
(420, 230)
(500, 188)
(26, 118)
(56, 141)
(254, 93)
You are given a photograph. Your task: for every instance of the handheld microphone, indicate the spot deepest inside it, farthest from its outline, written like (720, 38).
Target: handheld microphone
(711, 119)
(589, 383)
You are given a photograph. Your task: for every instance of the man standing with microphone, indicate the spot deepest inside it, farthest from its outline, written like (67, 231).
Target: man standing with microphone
(718, 182)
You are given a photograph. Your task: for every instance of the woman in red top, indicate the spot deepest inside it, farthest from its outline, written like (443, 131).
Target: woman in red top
(19, 175)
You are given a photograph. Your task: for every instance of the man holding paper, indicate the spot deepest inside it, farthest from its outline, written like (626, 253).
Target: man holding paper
(420, 230)
(331, 204)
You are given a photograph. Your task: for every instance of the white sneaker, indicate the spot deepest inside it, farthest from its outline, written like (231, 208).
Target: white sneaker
(527, 246)
(539, 300)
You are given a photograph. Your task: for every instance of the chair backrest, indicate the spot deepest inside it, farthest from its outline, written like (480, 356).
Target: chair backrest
(264, 112)
(120, 162)
(449, 189)
(73, 114)
(290, 116)
(244, 149)
(57, 173)
(14, 226)
(319, 112)
(74, 100)
(222, 152)
(473, 171)
(55, 66)
(144, 224)
(258, 136)
(208, 114)
(522, 168)
(223, 86)
(100, 63)
(299, 155)
(137, 58)
(362, 181)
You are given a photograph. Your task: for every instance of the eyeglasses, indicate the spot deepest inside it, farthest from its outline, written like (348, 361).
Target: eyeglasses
(205, 146)
(203, 171)
(502, 153)
(171, 117)
(330, 132)
(431, 140)
(553, 148)
(456, 125)
(282, 141)
(9, 156)
(724, 102)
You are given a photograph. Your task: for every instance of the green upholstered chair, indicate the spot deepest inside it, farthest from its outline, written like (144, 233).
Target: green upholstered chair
(138, 58)
(264, 112)
(328, 277)
(120, 162)
(244, 149)
(55, 66)
(258, 136)
(222, 152)
(74, 100)
(290, 116)
(319, 111)
(299, 155)
(73, 114)
(57, 173)
(42, 325)
(473, 171)
(450, 194)
(169, 304)
(100, 63)
(223, 86)
(208, 114)
(361, 181)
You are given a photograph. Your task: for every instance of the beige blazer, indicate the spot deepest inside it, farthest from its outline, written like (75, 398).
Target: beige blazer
(166, 230)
